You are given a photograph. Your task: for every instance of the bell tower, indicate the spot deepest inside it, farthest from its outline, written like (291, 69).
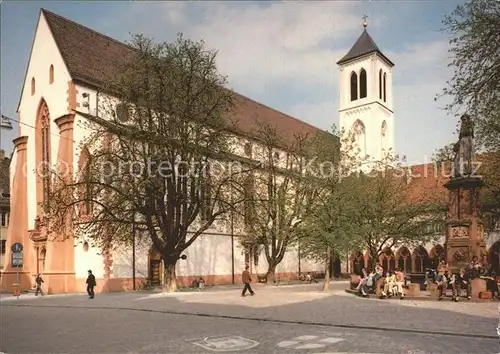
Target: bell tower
(366, 100)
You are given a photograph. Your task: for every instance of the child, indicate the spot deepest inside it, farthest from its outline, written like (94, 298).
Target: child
(201, 284)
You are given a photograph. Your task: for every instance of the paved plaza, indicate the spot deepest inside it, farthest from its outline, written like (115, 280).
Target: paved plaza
(284, 319)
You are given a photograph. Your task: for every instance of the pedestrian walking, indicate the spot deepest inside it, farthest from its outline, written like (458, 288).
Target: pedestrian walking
(91, 284)
(38, 282)
(246, 279)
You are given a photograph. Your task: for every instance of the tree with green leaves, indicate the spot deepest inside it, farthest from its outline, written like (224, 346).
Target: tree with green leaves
(279, 195)
(160, 162)
(321, 235)
(475, 86)
(444, 154)
(381, 209)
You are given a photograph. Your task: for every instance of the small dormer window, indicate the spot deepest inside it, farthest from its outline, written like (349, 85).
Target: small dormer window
(51, 74)
(122, 112)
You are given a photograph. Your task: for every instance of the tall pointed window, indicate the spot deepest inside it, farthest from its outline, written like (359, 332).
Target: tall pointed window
(354, 86)
(45, 158)
(385, 88)
(383, 139)
(380, 83)
(33, 86)
(84, 165)
(359, 131)
(362, 84)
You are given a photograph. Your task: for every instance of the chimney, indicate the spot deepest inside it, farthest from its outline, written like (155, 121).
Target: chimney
(2, 155)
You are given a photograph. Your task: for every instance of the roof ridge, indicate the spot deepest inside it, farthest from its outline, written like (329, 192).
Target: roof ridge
(275, 110)
(45, 11)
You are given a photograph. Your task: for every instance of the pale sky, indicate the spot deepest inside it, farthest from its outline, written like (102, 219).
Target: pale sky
(281, 54)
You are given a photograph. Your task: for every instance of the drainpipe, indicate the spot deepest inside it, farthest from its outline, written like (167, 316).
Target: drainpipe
(232, 237)
(298, 255)
(97, 109)
(133, 252)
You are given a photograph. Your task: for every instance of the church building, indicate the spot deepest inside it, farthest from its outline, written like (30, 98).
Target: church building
(64, 76)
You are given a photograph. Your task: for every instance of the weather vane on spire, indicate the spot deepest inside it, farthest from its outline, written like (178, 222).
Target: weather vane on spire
(364, 21)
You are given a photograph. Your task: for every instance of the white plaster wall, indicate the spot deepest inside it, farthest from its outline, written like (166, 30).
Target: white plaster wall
(289, 264)
(210, 254)
(44, 53)
(123, 261)
(88, 260)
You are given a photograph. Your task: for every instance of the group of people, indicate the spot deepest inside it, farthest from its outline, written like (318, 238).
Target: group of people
(393, 282)
(461, 280)
(91, 283)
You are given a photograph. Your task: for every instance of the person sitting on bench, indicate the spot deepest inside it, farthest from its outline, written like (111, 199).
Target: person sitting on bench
(442, 282)
(400, 282)
(390, 284)
(491, 282)
(460, 281)
(310, 278)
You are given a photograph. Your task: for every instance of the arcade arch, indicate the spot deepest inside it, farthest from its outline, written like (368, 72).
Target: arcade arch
(357, 262)
(421, 259)
(404, 259)
(436, 255)
(494, 256)
(387, 259)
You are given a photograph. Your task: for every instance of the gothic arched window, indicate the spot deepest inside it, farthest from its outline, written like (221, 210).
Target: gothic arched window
(354, 86)
(385, 88)
(84, 165)
(44, 126)
(380, 83)
(362, 84)
(359, 131)
(33, 86)
(383, 139)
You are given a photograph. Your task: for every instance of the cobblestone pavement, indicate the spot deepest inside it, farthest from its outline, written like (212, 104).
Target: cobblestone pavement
(154, 322)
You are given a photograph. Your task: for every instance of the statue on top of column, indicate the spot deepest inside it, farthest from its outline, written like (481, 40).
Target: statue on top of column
(464, 149)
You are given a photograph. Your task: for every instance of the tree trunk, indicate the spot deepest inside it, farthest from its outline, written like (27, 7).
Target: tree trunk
(170, 283)
(327, 268)
(271, 272)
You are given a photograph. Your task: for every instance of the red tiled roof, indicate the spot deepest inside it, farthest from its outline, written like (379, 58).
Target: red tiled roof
(91, 57)
(427, 183)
